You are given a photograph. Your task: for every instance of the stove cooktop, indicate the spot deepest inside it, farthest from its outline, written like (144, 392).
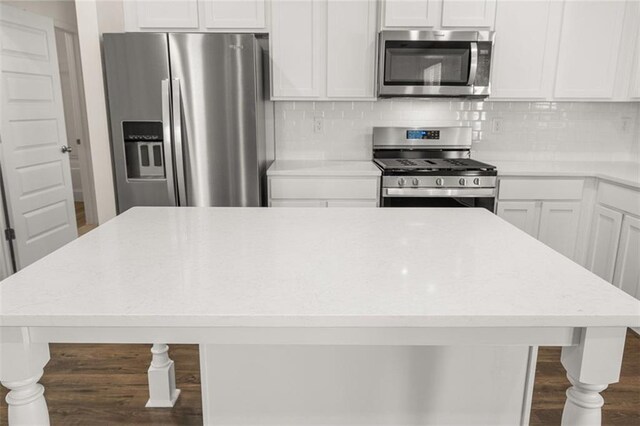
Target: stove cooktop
(432, 164)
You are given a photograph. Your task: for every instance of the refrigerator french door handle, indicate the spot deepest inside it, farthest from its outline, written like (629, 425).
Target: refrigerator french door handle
(176, 115)
(473, 69)
(166, 136)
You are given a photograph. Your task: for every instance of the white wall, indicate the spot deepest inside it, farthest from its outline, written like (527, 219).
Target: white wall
(63, 12)
(110, 16)
(530, 130)
(91, 58)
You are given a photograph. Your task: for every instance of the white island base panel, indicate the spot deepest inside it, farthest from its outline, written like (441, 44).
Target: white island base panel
(366, 385)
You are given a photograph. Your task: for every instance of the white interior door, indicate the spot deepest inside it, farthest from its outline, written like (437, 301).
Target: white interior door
(37, 176)
(72, 116)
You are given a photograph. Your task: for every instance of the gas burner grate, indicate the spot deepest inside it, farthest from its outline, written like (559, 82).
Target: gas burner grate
(458, 163)
(405, 162)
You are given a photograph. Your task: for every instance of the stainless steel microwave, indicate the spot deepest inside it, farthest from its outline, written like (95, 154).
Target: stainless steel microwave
(435, 63)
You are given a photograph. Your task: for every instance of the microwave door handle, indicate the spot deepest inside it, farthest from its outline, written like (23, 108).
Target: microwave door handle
(166, 141)
(473, 69)
(176, 115)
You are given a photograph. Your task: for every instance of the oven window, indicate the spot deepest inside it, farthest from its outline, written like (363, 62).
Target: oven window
(426, 63)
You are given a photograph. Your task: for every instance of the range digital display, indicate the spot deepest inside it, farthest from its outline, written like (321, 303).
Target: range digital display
(423, 134)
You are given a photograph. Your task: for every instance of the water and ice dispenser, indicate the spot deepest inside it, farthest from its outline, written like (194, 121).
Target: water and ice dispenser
(144, 154)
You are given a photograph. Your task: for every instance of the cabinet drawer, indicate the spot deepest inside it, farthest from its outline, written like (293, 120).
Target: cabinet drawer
(298, 203)
(324, 188)
(351, 203)
(619, 197)
(540, 189)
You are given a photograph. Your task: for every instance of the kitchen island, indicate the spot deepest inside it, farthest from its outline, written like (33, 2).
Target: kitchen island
(313, 278)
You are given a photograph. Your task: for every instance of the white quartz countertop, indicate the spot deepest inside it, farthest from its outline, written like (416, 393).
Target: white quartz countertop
(625, 173)
(296, 267)
(323, 168)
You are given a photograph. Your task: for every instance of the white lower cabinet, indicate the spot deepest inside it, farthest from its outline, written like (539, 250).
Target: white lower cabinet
(550, 209)
(615, 237)
(559, 226)
(555, 223)
(605, 233)
(297, 203)
(546, 209)
(323, 191)
(521, 214)
(627, 270)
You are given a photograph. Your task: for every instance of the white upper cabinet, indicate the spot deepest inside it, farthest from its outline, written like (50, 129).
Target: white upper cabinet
(468, 13)
(323, 49)
(589, 49)
(410, 13)
(234, 14)
(524, 56)
(195, 15)
(351, 44)
(297, 48)
(161, 14)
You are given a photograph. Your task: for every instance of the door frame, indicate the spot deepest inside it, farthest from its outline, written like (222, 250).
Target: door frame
(79, 109)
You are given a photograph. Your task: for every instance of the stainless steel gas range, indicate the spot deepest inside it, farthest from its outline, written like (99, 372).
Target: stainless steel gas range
(431, 167)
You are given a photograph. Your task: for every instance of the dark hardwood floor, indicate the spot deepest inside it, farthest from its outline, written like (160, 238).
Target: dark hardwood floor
(107, 385)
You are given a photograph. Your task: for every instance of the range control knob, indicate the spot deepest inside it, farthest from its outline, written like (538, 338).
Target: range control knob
(462, 181)
(415, 181)
(401, 182)
(439, 181)
(476, 181)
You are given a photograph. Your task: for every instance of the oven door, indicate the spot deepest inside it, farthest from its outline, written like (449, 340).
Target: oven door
(439, 197)
(422, 63)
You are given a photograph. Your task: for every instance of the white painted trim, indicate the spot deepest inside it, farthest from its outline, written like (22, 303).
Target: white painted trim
(96, 109)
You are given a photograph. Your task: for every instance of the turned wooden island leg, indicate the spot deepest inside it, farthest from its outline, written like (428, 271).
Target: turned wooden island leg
(591, 366)
(21, 366)
(162, 378)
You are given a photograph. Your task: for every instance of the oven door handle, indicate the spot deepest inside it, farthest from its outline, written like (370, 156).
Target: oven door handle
(439, 192)
(473, 69)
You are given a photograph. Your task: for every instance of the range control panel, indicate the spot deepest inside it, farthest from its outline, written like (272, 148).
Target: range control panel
(423, 134)
(438, 181)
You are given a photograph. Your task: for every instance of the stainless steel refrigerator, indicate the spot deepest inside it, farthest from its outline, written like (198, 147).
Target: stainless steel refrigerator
(187, 118)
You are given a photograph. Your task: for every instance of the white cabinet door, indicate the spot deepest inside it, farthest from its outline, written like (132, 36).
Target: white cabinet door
(298, 203)
(521, 214)
(468, 13)
(351, 53)
(559, 226)
(525, 51)
(233, 14)
(627, 272)
(589, 47)
(296, 48)
(605, 236)
(410, 13)
(161, 14)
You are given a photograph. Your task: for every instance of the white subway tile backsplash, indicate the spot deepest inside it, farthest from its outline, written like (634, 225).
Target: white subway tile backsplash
(529, 130)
